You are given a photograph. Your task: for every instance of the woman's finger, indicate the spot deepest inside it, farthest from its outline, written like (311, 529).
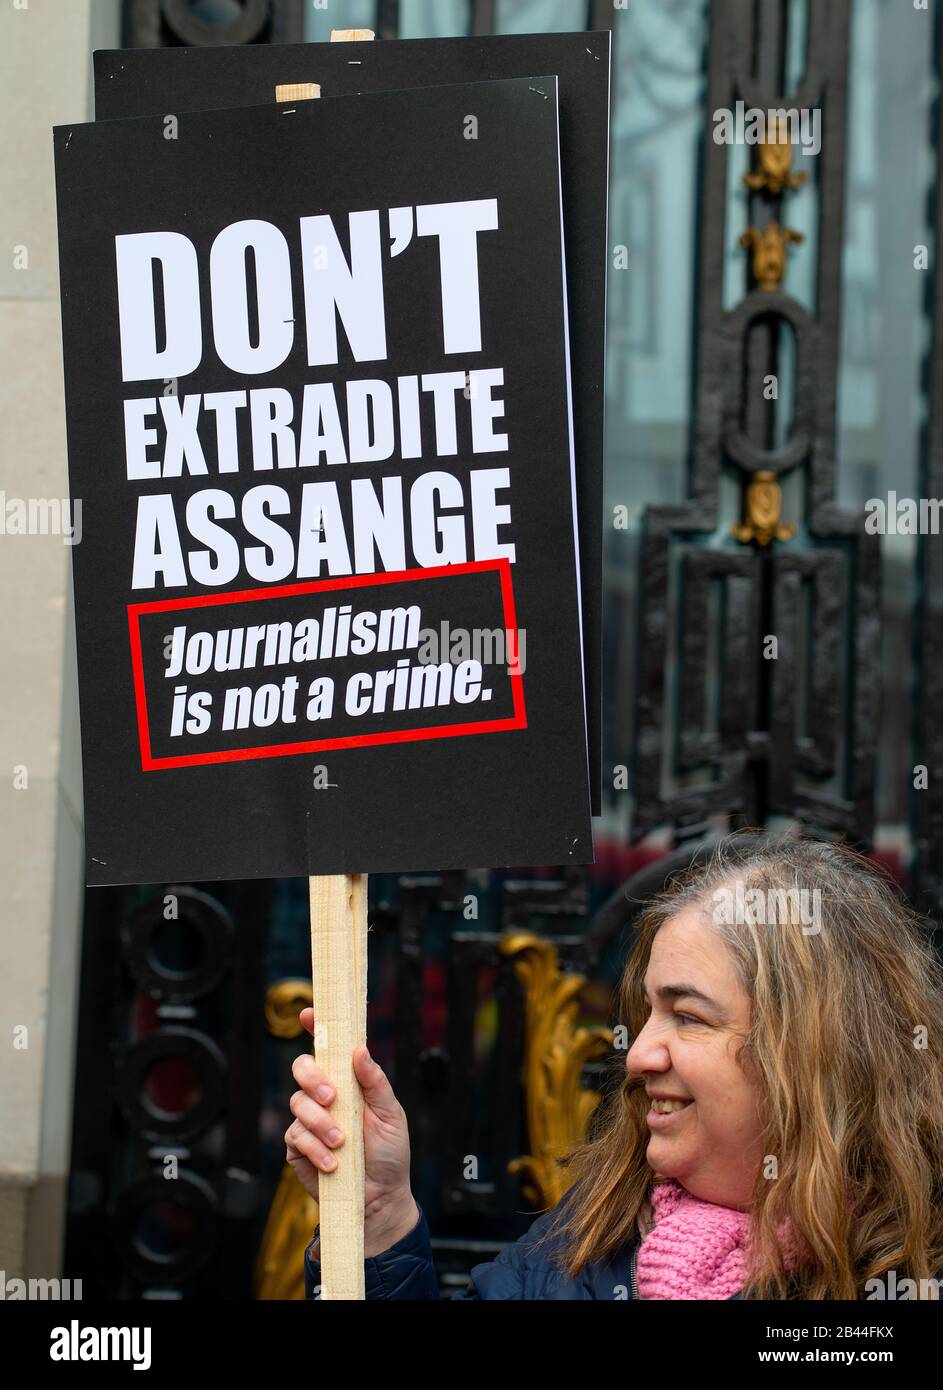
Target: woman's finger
(316, 1119)
(304, 1170)
(312, 1079)
(301, 1141)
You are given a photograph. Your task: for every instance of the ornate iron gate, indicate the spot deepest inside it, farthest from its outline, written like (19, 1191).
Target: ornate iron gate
(762, 749)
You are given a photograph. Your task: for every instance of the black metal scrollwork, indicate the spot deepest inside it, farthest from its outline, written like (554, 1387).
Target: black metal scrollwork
(728, 724)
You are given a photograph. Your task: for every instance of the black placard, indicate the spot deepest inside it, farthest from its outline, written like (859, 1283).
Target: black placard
(317, 390)
(144, 82)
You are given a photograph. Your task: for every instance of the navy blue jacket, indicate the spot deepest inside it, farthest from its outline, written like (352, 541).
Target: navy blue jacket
(519, 1272)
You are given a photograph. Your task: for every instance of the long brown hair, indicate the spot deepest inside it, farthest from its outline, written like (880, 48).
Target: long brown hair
(845, 1045)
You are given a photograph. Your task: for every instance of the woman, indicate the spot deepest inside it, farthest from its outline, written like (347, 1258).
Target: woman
(779, 1129)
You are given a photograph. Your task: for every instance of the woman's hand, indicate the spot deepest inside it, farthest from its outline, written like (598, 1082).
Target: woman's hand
(390, 1211)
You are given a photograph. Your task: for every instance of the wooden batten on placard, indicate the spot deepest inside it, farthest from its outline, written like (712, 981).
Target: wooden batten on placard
(338, 908)
(297, 91)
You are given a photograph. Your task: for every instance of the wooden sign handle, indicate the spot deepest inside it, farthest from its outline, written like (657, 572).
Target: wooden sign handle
(339, 984)
(338, 907)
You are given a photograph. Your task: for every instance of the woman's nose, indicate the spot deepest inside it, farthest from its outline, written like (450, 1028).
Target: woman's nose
(647, 1053)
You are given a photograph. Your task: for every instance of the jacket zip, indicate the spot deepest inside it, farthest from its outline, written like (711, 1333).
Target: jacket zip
(632, 1272)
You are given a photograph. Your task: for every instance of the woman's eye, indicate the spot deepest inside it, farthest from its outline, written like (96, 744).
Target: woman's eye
(687, 1018)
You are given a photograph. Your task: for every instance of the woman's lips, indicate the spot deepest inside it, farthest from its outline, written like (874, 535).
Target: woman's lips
(664, 1114)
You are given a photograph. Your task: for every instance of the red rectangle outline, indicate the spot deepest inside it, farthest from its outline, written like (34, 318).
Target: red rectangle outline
(358, 581)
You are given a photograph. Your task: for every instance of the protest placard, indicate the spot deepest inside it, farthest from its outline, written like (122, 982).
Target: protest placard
(158, 81)
(319, 418)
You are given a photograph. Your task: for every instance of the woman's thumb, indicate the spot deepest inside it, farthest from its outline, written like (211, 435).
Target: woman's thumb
(377, 1091)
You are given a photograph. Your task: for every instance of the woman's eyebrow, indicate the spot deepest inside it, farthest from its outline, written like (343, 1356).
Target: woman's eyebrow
(683, 991)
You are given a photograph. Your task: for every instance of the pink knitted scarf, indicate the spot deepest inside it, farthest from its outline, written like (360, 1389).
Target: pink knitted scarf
(696, 1249)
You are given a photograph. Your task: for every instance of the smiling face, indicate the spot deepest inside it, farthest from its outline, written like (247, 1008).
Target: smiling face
(700, 1015)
